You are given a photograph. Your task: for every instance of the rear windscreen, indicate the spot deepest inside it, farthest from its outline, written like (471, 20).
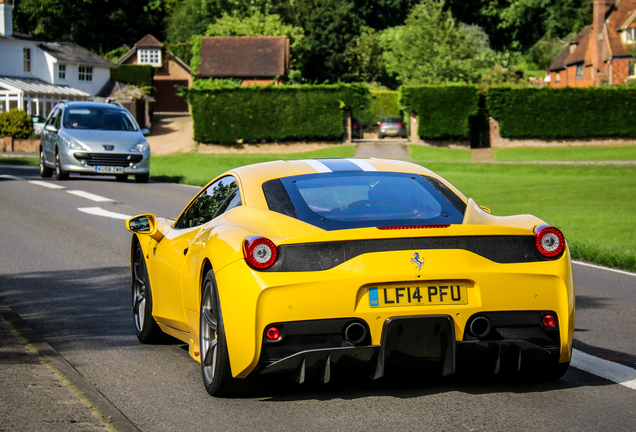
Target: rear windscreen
(363, 199)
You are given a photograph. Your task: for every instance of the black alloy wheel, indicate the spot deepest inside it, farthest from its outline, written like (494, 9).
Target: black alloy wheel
(146, 327)
(215, 361)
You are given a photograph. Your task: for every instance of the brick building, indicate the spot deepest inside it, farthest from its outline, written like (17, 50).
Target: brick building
(602, 52)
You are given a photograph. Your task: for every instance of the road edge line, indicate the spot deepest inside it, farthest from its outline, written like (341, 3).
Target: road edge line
(600, 267)
(110, 415)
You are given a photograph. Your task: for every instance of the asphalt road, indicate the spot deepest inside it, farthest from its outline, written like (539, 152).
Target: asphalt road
(64, 271)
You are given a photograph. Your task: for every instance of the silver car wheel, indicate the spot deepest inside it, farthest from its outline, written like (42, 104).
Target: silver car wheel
(139, 290)
(209, 335)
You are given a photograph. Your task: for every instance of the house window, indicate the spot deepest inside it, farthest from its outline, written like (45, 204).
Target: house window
(579, 71)
(85, 73)
(26, 57)
(149, 57)
(630, 35)
(557, 78)
(632, 69)
(61, 71)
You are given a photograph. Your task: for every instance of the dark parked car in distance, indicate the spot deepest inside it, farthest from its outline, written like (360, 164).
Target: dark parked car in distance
(391, 126)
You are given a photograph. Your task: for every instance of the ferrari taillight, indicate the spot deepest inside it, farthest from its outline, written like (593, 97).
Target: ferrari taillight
(549, 240)
(259, 252)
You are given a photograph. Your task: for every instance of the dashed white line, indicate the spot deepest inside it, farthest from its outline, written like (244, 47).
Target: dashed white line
(46, 184)
(10, 177)
(105, 213)
(603, 268)
(89, 196)
(609, 370)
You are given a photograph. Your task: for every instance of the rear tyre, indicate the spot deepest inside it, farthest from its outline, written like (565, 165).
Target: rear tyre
(215, 361)
(59, 174)
(45, 172)
(121, 177)
(142, 178)
(146, 327)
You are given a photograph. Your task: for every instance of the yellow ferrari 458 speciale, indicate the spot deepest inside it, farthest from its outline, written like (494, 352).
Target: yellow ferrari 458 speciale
(311, 267)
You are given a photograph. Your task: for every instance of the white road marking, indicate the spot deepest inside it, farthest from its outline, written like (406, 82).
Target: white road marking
(89, 196)
(609, 370)
(46, 184)
(10, 177)
(105, 213)
(604, 268)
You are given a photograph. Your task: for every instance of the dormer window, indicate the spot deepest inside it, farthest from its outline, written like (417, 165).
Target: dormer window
(630, 35)
(573, 47)
(149, 57)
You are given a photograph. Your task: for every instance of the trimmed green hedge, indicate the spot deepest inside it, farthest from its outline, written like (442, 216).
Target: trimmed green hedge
(226, 113)
(549, 113)
(139, 75)
(442, 111)
(384, 104)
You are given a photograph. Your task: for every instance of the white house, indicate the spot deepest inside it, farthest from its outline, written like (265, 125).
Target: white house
(35, 74)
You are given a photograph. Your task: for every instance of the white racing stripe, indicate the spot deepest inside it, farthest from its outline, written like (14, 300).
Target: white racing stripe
(604, 268)
(89, 196)
(46, 184)
(105, 213)
(10, 177)
(364, 165)
(609, 370)
(318, 166)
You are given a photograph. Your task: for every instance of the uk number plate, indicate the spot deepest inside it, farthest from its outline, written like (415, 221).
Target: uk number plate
(109, 170)
(430, 294)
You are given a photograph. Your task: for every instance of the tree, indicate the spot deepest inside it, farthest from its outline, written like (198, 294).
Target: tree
(365, 61)
(99, 25)
(259, 24)
(432, 48)
(331, 28)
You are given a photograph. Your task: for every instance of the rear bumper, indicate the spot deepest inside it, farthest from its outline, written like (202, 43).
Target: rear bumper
(412, 344)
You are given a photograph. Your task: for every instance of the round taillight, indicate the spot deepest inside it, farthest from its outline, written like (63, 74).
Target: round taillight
(273, 333)
(549, 241)
(259, 252)
(548, 320)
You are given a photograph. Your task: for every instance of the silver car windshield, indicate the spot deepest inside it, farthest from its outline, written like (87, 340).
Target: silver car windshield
(98, 118)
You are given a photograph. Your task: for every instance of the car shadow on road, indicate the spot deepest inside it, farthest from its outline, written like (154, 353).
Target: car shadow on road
(69, 307)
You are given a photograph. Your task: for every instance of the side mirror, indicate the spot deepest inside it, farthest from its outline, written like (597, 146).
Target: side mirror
(50, 128)
(145, 131)
(144, 224)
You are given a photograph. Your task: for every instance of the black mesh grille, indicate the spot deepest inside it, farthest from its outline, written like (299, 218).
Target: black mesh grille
(108, 159)
(327, 255)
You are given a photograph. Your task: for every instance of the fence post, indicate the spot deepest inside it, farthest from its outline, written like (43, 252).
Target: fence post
(413, 136)
(347, 126)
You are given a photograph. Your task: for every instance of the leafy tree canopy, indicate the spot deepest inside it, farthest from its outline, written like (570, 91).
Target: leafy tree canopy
(99, 25)
(433, 48)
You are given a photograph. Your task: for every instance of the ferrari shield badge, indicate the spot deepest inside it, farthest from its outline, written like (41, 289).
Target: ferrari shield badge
(419, 262)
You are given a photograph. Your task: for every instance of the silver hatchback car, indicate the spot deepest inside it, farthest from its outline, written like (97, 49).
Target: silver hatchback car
(93, 138)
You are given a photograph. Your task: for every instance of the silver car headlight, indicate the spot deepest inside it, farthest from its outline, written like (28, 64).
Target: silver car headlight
(140, 147)
(74, 145)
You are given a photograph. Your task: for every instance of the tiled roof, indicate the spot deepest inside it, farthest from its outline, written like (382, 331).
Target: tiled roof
(623, 11)
(578, 55)
(243, 56)
(71, 53)
(149, 41)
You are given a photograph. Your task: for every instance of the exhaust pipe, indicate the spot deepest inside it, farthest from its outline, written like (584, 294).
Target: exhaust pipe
(355, 333)
(480, 327)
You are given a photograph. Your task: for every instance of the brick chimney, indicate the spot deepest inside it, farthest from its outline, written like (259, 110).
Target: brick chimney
(6, 18)
(597, 40)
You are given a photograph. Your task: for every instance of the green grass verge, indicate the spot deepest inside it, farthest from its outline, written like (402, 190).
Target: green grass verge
(198, 169)
(590, 204)
(566, 154)
(419, 153)
(28, 161)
